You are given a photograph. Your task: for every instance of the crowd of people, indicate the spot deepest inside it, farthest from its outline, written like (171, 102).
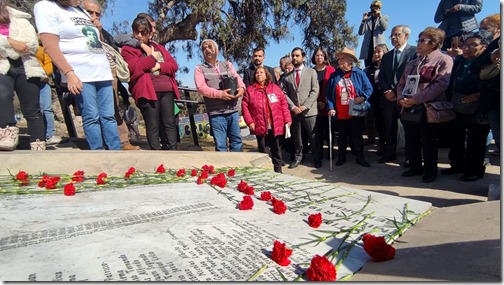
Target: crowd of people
(294, 108)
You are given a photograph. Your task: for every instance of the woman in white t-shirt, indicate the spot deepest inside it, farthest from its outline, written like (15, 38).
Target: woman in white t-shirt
(71, 41)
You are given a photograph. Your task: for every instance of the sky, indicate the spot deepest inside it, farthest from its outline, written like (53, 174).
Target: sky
(416, 14)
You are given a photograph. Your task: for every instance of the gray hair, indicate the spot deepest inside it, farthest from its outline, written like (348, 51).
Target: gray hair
(214, 43)
(93, 2)
(404, 28)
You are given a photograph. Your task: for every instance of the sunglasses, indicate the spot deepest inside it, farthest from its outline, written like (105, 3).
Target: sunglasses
(142, 32)
(425, 41)
(98, 14)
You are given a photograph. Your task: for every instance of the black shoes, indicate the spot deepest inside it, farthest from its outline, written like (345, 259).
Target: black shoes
(277, 169)
(340, 161)
(295, 164)
(427, 178)
(386, 159)
(451, 170)
(363, 162)
(318, 164)
(411, 172)
(471, 177)
(406, 163)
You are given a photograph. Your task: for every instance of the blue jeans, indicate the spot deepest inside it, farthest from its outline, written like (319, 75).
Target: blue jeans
(224, 126)
(46, 108)
(96, 102)
(494, 118)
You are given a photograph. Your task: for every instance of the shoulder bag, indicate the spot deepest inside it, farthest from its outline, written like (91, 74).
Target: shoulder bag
(357, 110)
(439, 112)
(412, 115)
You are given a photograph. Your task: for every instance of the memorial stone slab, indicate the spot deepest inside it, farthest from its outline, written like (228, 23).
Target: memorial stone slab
(189, 232)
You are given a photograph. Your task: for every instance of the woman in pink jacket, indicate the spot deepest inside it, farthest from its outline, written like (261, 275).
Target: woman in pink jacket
(266, 113)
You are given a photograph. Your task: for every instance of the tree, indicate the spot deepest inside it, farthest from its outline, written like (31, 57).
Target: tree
(238, 26)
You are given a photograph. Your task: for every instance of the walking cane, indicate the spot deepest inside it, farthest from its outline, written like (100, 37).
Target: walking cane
(330, 144)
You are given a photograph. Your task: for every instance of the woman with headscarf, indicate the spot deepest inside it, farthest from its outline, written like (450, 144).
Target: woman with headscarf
(71, 40)
(348, 83)
(20, 72)
(433, 69)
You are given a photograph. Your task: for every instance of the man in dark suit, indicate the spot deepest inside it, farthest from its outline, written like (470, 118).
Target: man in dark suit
(391, 70)
(301, 87)
(257, 61)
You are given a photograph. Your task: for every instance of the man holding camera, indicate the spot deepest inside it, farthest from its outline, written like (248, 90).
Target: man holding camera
(220, 86)
(372, 26)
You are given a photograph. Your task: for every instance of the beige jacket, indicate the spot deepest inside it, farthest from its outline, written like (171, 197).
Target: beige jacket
(22, 30)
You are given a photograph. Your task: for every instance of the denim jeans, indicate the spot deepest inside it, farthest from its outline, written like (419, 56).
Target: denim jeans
(46, 108)
(96, 102)
(224, 126)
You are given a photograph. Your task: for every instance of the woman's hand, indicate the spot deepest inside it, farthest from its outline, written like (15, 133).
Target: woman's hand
(252, 127)
(407, 102)
(331, 113)
(19, 46)
(156, 67)
(156, 54)
(359, 100)
(74, 84)
(495, 56)
(471, 98)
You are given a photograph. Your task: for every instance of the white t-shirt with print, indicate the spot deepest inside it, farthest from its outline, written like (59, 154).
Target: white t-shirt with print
(79, 40)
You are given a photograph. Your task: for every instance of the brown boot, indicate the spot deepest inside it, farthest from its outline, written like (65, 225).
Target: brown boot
(129, 146)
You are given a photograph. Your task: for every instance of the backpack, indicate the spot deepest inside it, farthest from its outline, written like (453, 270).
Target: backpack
(122, 70)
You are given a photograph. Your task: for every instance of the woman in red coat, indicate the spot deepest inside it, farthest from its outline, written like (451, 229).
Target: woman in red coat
(152, 84)
(266, 113)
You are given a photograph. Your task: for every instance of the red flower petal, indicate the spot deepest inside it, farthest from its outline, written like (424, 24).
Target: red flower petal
(279, 207)
(194, 172)
(246, 204)
(69, 189)
(377, 248)
(281, 253)
(321, 269)
(231, 173)
(266, 196)
(315, 220)
(160, 169)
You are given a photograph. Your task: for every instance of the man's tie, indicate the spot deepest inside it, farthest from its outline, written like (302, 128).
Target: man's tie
(297, 78)
(396, 59)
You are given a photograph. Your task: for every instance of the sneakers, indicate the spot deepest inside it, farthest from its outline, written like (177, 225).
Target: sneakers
(129, 146)
(53, 140)
(38, 145)
(9, 138)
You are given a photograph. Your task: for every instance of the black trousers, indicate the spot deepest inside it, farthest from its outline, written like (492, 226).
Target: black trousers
(390, 114)
(299, 123)
(421, 142)
(159, 115)
(274, 146)
(350, 129)
(28, 93)
(468, 146)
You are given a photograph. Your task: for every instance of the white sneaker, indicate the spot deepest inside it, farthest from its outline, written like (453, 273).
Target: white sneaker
(53, 140)
(9, 138)
(38, 145)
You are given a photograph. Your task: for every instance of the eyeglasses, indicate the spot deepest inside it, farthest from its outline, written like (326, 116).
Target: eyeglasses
(425, 41)
(395, 35)
(470, 45)
(142, 32)
(98, 14)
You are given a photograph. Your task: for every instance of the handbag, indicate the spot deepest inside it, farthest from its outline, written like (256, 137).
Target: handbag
(439, 112)
(489, 71)
(358, 110)
(121, 66)
(461, 107)
(229, 83)
(412, 115)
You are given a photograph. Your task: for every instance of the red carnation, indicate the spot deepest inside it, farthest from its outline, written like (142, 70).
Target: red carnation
(204, 174)
(160, 169)
(52, 182)
(219, 180)
(43, 181)
(274, 201)
(23, 177)
(200, 180)
(101, 179)
(69, 189)
(194, 172)
(209, 168)
(321, 269)
(281, 253)
(315, 220)
(377, 248)
(246, 204)
(249, 190)
(266, 196)
(231, 173)
(279, 207)
(181, 172)
(130, 172)
(78, 176)
(242, 185)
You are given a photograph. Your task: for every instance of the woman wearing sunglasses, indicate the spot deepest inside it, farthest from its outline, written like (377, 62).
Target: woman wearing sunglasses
(153, 84)
(72, 42)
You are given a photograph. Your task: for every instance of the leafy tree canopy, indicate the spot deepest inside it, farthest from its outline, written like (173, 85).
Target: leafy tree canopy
(238, 26)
